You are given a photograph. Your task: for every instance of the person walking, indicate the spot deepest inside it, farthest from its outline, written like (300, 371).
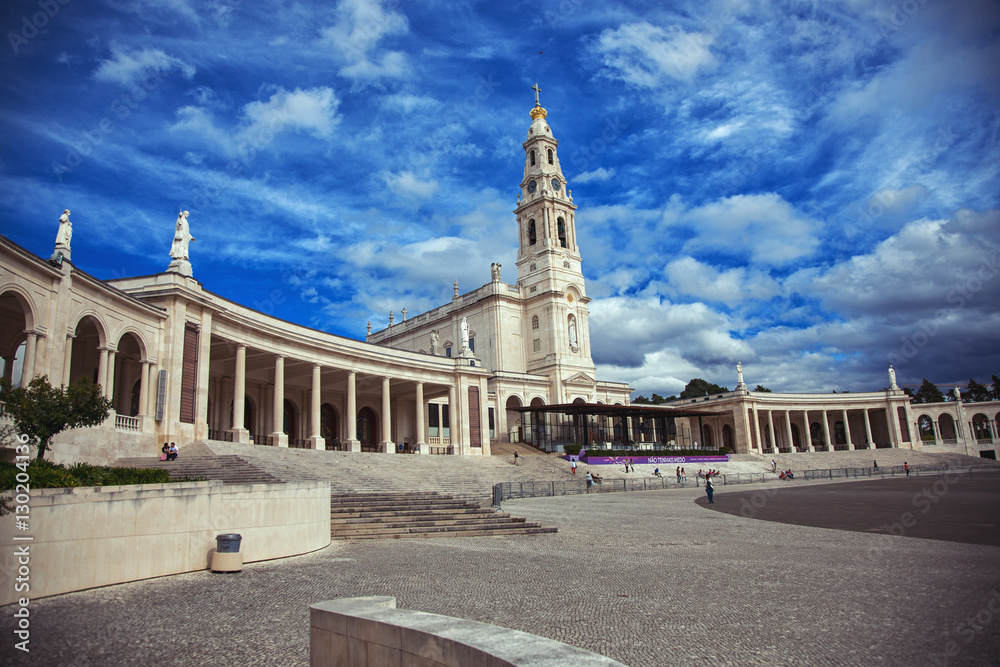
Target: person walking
(710, 490)
(875, 464)
(678, 474)
(572, 465)
(906, 467)
(515, 457)
(774, 466)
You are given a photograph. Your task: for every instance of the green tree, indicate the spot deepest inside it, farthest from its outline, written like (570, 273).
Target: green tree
(975, 392)
(698, 387)
(995, 393)
(762, 388)
(641, 400)
(928, 393)
(40, 411)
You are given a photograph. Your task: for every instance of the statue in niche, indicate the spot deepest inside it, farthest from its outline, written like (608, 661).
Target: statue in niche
(65, 233)
(182, 237)
(434, 342)
(464, 327)
(573, 341)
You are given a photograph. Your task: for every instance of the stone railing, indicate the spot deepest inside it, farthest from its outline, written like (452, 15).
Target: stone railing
(127, 423)
(374, 633)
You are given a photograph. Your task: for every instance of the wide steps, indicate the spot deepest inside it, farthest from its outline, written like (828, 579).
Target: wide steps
(394, 515)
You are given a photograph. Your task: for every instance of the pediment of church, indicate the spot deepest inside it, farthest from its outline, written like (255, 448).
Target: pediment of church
(580, 379)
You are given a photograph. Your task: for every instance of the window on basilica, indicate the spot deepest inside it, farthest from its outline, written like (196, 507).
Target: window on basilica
(532, 157)
(532, 237)
(550, 156)
(562, 232)
(534, 322)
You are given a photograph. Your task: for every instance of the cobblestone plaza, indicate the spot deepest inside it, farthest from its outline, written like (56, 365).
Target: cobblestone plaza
(650, 578)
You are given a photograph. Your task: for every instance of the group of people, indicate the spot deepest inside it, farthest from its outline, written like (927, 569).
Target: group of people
(786, 474)
(681, 475)
(708, 474)
(169, 452)
(593, 478)
(629, 466)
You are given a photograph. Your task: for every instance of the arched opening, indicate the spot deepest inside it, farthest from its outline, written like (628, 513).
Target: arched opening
(537, 423)
(926, 427)
(534, 322)
(514, 431)
(328, 426)
(532, 157)
(981, 427)
(14, 318)
(289, 421)
(561, 228)
(86, 359)
(127, 372)
(816, 436)
(797, 439)
(551, 160)
(248, 414)
(367, 427)
(727, 436)
(532, 237)
(946, 425)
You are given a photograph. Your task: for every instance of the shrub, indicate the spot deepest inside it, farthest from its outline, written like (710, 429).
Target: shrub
(572, 450)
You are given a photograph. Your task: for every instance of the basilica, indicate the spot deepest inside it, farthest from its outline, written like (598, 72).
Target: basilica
(506, 361)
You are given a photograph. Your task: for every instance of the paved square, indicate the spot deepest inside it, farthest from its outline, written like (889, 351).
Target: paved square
(648, 578)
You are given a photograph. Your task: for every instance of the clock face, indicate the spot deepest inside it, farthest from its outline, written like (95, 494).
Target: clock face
(532, 186)
(556, 184)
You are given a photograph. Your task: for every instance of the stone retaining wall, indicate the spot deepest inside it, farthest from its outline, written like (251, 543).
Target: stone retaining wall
(371, 632)
(95, 536)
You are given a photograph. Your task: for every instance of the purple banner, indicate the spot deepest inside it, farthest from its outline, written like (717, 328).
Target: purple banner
(651, 460)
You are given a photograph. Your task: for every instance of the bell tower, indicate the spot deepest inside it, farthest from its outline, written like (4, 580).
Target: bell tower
(548, 260)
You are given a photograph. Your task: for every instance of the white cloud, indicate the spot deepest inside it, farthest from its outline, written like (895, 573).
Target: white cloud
(647, 55)
(595, 175)
(407, 184)
(355, 37)
(313, 110)
(703, 281)
(128, 66)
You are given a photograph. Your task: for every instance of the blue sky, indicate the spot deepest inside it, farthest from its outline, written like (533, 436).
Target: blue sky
(810, 188)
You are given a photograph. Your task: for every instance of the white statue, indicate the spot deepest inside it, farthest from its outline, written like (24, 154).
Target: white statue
(391, 318)
(65, 233)
(434, 342)
(465, 334)
(495, 272)
(572, 333)
(182, 237)
(739, 373)
(456, 289)
(957, 394)
(892, 378)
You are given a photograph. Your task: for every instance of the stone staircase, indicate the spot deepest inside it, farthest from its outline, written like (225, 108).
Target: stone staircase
(420, 514)
(200, 461)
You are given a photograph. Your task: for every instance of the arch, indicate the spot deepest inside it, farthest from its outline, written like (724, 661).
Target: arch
(99, 324)
(367, 426)
(532, 233)
(127, 370)
(532, 157)
(925, 426)
(249, 412)
(85, 355)
(13, 294)
(561, 228)
(727, 436)
(328, 421)
(946, 426)
(578, 400)
(534, 322)
(551, 157)
(138, 338)
(981, 427)
(514, 417)
(289, 420)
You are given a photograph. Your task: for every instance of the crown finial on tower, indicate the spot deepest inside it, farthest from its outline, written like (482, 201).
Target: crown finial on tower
(537, 111)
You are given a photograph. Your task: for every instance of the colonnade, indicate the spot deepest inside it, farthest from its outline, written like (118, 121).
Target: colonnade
(770, 440)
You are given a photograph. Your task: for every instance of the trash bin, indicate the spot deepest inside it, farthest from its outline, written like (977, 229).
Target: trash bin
(228, 543)
(227, 556)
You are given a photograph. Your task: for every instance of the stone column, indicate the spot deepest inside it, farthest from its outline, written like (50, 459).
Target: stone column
(756, 429)
(421, 443)
(102, 370)
(278, 437)
(847, 431)
(352, 442)
(153, 389)
(774, 436)
(454, 434)
(68, 361)
(28, 367)
(239, 431)
(788, 430)
(387, 446)
(268, 415)
(316, 440)
(8, 368)
(109, 387)
(868, 432)
(807, 434)
(826, 431)
(201, 417)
